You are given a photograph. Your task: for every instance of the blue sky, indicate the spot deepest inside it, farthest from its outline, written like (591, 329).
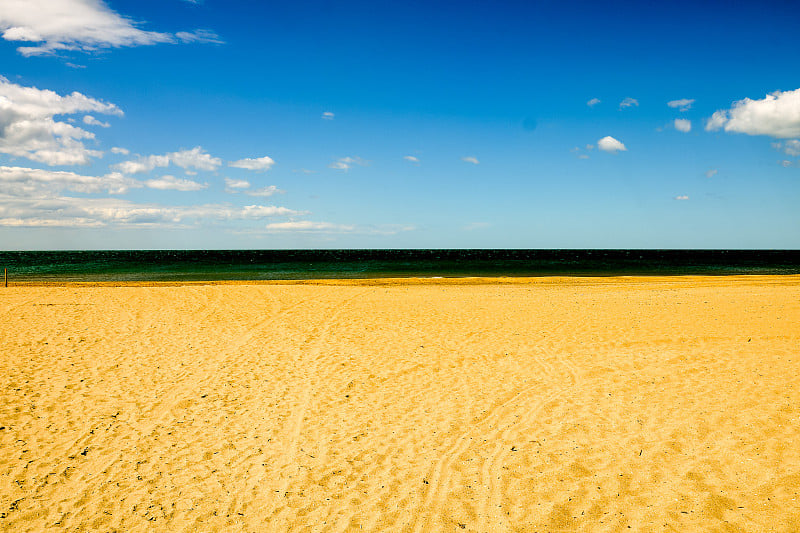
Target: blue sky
(399, 125)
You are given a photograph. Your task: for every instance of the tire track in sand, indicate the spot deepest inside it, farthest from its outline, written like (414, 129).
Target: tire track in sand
(441, 478)
(231, 352)
(310, 357)
(491, 471)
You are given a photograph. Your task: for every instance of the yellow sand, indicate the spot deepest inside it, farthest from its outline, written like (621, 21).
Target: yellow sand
(552, 404)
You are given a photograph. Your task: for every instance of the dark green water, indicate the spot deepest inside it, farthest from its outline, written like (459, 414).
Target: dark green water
(192, 265)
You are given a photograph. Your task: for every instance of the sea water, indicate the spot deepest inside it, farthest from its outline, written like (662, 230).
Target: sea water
(198, 265)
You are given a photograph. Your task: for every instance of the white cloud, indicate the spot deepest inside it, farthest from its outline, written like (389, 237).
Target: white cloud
(84, 25)
(629, 102)
(199, 36)
(790, 147)
(583, 156)
(195, 158)
(471, 159)
(710, 173)
(261, 163)
(682, 197)
(593, 102)
(28, 127)
(684, 125)
(307, 226)
(411, 158)
(104, 212)
(304, 171)
(327, 115)
(716, 121)
(264, 211)
(233, 186)
(777, 115)
(120, 150)
(165, 183)
(264, 191)
(684, 104)
(22, 181)
(786, 164)
(143, 164)
(590, 147)
(91, 121)
(61, 222)
(346, 163)
(236, 186)
(610, 144)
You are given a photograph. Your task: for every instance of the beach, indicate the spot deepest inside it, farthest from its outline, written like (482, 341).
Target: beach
(480, 404)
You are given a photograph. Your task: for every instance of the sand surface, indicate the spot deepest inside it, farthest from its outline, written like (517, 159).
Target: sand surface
(655, 404)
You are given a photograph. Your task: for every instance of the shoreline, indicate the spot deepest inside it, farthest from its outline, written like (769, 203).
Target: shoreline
(705, 279)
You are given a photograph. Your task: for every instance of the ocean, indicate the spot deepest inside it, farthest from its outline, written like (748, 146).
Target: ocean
(212, 265)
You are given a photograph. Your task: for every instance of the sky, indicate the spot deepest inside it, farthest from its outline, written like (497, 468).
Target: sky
(210, 124)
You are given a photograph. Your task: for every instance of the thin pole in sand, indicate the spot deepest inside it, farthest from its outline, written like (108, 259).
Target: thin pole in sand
(5, 276)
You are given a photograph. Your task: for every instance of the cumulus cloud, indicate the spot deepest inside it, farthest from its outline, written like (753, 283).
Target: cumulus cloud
(710, 173)
(682, 197)
(790, 147)
(327, 115)
(776, 115)
(684, 125)
(346, 163)
(261, 163)
(717, 120)
(629, 102)
(471, 159)
(143, 164)
(234, 186)
(120, 150)
(28, 127)
(611, 145)
(411, 159)
(196, 158)
(91, 121)
(593, 102)
(684, 104)
(304, 171)
(22, 181)
(165, 183)
(307, 226)
(84, 25)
